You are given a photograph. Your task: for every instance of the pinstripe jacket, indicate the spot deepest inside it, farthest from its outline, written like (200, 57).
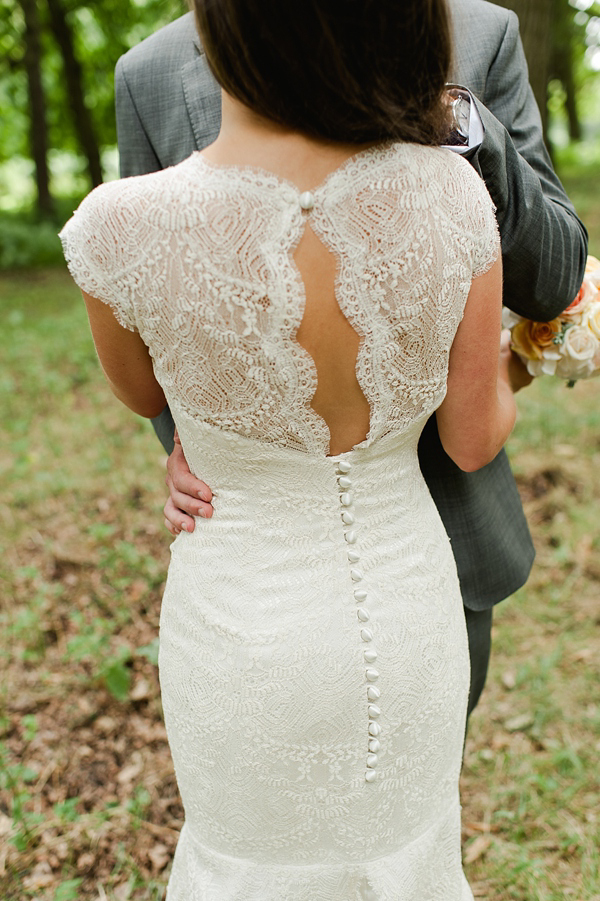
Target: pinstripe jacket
(168, 105)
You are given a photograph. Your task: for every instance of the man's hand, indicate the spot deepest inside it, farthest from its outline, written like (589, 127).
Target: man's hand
(512, 369)
(188, 496)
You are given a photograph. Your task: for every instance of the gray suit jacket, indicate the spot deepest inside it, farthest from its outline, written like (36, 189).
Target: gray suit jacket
(168, 105)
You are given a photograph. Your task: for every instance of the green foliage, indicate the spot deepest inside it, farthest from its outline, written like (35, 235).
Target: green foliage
(24, 242)
(68, 891)
(93, 644)
(103, 31)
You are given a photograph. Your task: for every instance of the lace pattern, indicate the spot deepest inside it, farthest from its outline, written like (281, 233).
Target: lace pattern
(313, 651)
(198, 259)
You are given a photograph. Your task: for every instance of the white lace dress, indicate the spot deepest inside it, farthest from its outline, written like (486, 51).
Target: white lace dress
(313, 652)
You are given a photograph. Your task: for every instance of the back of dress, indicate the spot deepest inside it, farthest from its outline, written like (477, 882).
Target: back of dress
(313, 653)
(199, 259)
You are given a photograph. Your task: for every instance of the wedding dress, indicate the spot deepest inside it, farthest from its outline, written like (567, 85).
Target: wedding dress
(313, 652)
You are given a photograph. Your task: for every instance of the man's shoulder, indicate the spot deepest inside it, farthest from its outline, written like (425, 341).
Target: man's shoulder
(176, 43)
(480, 29)
(479, 14)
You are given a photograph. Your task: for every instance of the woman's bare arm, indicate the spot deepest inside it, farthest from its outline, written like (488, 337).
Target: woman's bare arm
(478, 412)
(125, 360)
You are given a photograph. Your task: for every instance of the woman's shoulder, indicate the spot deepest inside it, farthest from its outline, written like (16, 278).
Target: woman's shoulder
(416, 169)
(133, 214)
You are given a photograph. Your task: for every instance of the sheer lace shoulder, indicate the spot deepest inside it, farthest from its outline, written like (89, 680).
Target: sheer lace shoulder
(110, 237)
(479, 216)
(199, 259)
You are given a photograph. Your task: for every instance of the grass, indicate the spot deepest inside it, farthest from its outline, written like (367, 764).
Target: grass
(88, 803)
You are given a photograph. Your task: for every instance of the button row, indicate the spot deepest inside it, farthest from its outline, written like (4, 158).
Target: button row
(363, 615)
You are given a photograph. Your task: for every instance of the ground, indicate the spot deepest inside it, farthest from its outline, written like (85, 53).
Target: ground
(88, 803)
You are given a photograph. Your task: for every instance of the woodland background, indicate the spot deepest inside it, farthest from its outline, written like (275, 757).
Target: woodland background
(88, 803)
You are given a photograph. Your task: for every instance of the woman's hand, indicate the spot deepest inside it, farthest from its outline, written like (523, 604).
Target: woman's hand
(188, 496)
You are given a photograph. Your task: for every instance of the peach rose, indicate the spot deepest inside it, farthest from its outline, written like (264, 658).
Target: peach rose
(588, 290)
(530, 338)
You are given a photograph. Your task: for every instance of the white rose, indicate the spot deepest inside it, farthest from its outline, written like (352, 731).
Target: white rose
(509, 318)
(540, 367)
(579, 349)
(580, 343)
(592, 320)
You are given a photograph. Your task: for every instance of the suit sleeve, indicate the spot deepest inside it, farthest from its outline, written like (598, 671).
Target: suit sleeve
(544, 244)
(137, 157)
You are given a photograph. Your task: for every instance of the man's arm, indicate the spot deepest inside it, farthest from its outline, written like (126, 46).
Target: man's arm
(544, 244)
(136, 157)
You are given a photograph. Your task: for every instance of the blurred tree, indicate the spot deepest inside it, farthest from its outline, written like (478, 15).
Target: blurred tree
(57, 59)
(38, 129)
(81, 116)
(535, 19)
(559, 37)
(566, 37)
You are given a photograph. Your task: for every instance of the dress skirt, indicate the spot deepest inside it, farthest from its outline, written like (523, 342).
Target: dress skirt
(314, 673)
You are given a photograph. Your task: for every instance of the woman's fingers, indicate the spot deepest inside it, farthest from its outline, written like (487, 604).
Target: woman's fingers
(182, 480)
(188, 496)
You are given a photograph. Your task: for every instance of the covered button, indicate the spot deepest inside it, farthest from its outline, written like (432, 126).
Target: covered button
(307, 201)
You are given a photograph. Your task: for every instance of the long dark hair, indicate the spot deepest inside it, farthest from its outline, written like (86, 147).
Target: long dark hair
(351, 71)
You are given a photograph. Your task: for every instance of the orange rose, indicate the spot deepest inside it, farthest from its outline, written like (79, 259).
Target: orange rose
(575, 303)
(588, 289)
(529, 338)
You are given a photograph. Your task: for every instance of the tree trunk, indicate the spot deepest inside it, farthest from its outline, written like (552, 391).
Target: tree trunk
(37, 106)
(535, 18)
(562, 63)
(82, 119)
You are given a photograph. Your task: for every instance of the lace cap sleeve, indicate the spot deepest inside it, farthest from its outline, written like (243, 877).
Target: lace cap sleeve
(102, 249)
(479, 220)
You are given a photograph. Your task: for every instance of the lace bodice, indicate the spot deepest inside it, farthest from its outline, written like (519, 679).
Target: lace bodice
(199, 260)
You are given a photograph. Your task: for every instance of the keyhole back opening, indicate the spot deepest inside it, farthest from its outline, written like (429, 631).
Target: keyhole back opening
(333, 344)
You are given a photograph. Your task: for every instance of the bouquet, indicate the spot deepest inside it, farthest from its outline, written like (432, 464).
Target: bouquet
(568, 346)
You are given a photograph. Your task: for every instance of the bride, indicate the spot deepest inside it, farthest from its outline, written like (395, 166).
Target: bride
(304, 293)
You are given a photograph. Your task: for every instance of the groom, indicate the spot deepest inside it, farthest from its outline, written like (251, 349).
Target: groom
(168, 105)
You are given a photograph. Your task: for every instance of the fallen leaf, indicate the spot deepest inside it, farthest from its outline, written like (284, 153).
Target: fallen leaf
(132, 770)
(509, 680)
(477, 849)
(40, 877)
(140, 691)
(159, 857)
(519, 723)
